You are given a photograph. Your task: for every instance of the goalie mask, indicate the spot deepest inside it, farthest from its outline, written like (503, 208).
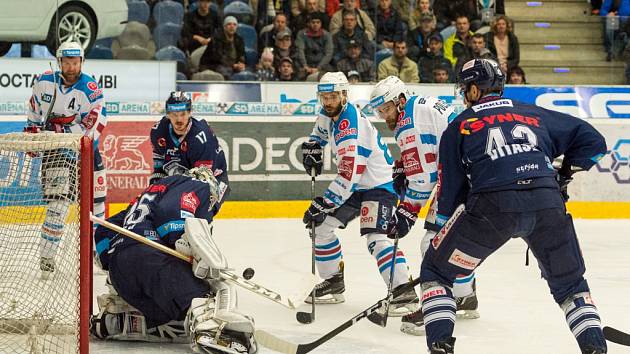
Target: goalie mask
(204, 174)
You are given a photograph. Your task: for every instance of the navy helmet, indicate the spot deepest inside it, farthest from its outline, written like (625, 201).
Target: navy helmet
(177, 102)
(486, 74)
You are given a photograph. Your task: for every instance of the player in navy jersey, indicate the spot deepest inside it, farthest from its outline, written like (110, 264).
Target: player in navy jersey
(495, 158)
(154, 292)
(181, 141)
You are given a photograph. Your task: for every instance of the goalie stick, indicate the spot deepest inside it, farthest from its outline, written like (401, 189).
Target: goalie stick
(270, 341)
(289, 301)
(616, 336)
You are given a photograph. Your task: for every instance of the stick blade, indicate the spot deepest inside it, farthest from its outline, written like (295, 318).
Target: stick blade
(304, 317)
(272, 342)
(378, 318)
(616, 336)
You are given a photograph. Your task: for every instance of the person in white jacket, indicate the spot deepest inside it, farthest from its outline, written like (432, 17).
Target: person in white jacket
(362, 188)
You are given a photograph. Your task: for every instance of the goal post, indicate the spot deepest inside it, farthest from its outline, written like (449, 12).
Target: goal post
(45, 242)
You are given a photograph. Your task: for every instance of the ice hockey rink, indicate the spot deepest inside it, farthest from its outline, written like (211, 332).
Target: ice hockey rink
(518, 315)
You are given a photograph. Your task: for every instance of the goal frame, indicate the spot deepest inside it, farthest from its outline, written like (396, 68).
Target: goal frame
(86, 191)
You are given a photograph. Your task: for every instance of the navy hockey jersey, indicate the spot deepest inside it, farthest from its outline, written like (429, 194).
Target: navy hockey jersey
(159, 212)
(174, 155)
(500, 144)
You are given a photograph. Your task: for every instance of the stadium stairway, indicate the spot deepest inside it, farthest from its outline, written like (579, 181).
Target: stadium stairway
(561, 43)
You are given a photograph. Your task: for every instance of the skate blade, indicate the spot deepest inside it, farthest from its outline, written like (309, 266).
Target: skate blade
(467, 314)
(402, 310)
(412, 329)
(45, 275)
(327, 299)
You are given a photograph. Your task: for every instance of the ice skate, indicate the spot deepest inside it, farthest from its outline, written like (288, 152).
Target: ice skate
(404, 303)
(413, 323)
(47, 266)
(330, 291)
(443, 347)
(467, 305)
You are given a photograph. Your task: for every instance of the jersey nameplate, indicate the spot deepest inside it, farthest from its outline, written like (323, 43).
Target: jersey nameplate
(492, 104)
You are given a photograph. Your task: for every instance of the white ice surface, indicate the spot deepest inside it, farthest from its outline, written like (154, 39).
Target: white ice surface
(518, 315)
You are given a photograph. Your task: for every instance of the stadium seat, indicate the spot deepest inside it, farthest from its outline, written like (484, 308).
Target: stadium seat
(135, 34)
(248, 33)
(139, 11)
(104, 42)
(168, 11)
(172, 53)
(100, 52)
(180, 76)
(208, 75)
(133, 52)
(251, 57)
(166, 34)
(195, 58)
(243, 12)
(244, 76)
(15, 51)
(41, 51)
(382, 54)
(227, 2)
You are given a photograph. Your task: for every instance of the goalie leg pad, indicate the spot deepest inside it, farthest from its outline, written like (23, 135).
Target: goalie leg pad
(208, 260)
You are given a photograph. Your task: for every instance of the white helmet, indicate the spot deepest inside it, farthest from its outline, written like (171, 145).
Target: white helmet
(70, 49)
(390, 88)
(333, 82)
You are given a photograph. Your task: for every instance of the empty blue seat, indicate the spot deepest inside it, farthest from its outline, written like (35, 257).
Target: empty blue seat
(166, 34)
(139, 11)
(104, 42)
(243, 12)
(168, 11)
(172, 53)
(227, 2)
(248, 33)
(15, 51)
(382, 54)
(40, 51)
(244, 76)
(100, 52)
(180, 76)
(251, 57)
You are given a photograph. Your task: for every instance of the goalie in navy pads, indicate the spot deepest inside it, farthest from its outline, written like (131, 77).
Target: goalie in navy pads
(180, 142)
(363, 187)
(495, 158)
(65, 101)
(158, 297)
(418, 123)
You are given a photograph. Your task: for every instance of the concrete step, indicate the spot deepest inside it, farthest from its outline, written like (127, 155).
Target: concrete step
(564, 52)
(573, 64)
(548, 10)
(510, 2)
(575, 76)
(562, 32)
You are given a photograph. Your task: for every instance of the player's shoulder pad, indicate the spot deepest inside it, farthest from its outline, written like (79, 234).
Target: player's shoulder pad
(201, 125)
(46, 76)
(90, 87)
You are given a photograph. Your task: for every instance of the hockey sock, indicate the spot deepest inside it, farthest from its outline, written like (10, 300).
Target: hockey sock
(327, 257)
(583, 320)
(463, 285)
(382, 248)
(438, 309)
(52, 228)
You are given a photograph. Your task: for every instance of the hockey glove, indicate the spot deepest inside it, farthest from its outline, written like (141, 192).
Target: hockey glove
(312, 157)
(399, 177)
(564, 177)
(403, 220)
(317, 212)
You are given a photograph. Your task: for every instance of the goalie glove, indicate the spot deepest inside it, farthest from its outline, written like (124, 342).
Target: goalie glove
(312, 157)
(403, 220)
(317, 212)
(399, 177)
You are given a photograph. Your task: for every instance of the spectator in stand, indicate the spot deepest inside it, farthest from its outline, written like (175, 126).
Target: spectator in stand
(363, 19)
(516, 76)
(266, 11)
(314, 48)
(447, 12)
(286, 71)
(399, 65)
(503, 44)
(441, 74)
(353, 61)
(389, 25)
(300, 20)
(595, 6)
(352, 32)
(456, 45)
(418, 39)
(403, 8)
(435, 58)
(284, 49)
(265, 70)
(609, 8)
(298, 7)
(226, 53)
(353, 77)
(267, 35)
(477, 50)
(199, 27)
(423, 7)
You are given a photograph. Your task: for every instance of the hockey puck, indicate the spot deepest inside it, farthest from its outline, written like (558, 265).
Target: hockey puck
(304, 317)
(248, 273)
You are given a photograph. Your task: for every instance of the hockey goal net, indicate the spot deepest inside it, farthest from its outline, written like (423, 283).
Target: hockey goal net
(45, 242)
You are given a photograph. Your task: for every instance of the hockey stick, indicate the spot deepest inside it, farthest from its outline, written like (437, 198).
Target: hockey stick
(270, 341)
(306, 317)
(616, 336)
(377, 317)
(289, 301)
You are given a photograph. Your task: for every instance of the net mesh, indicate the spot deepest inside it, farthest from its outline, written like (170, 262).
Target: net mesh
(39, 243)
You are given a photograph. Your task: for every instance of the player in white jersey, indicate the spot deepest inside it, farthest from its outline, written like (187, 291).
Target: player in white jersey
(363, 187)
(418, 123)
(66, 101)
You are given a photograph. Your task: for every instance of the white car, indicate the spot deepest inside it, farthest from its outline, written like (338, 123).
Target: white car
(83, 21)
